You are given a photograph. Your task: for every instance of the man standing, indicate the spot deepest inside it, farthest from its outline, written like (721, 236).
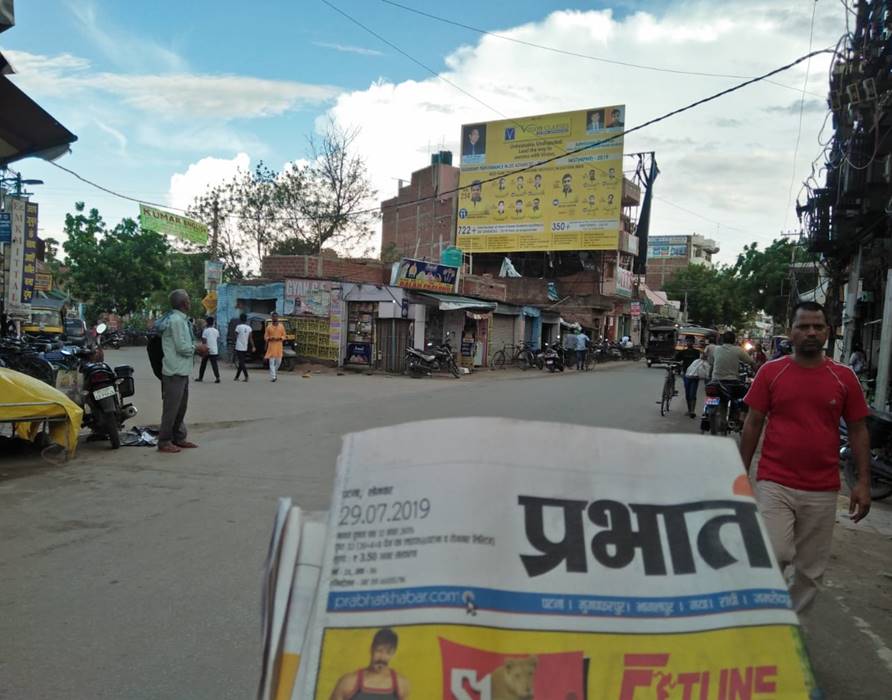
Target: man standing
(274, 337)
(582, 342)
(377, 681)
(569, 346)
(179, 347)
(210, 336)
(243, 339)
(804, 396)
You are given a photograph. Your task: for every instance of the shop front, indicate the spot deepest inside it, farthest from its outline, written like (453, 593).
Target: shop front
(464, 321)
(381, 323)
(532, 326)
(551, 328)
(506, 328)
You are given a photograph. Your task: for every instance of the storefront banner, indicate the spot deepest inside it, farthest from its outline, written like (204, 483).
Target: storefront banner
(427, 276)
(5, 227)
(623, 282)
(307, 297)
(523, 576)
(29, 262)
(168, 224)
(570, 203)
(43, 281)
(15, 255)
(636, 309)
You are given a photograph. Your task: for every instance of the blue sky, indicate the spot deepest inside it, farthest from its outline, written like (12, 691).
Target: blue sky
(166, 97)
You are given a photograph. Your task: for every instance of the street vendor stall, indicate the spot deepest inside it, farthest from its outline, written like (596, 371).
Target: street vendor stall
(33, 407)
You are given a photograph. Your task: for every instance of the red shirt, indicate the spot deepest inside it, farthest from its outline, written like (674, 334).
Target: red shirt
(804, 405)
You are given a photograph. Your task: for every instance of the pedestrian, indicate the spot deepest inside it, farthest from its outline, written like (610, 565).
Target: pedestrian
(210, 335)
(274, 337)
(804, 395)
(687, 357)
(759, 354)
(857, 360)
(179, 349)
(582, 343)
(569, 346)
(244, 338)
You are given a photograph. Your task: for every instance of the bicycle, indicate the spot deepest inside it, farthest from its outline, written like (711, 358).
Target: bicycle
(669, 390)
(521, 354)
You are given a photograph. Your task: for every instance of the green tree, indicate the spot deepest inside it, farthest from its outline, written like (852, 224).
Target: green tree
(293, 246)
(713, 295)
(112, 269)
(215, 209)
(765, 280)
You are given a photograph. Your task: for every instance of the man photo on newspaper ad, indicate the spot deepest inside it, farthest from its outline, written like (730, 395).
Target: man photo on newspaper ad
(378, 681)
(803, 396)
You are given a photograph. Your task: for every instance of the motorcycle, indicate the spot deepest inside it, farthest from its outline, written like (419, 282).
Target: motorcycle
(552, 358)
(101, 392)
(632, 352)
(879, 427)
(724, 410)
(432, 359)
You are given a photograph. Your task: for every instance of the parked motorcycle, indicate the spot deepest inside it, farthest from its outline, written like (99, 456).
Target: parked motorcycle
(101, 391)
(432, 359)
(552, 358)
(724, 410)
(633, 352)
(879, 426)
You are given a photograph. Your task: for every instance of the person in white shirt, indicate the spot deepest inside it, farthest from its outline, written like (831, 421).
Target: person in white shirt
(243, 340)
(210, 336)
(582, 341)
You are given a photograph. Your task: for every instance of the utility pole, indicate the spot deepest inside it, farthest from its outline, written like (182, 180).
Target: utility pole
(848, 319)
(215, 227)
(882, 390)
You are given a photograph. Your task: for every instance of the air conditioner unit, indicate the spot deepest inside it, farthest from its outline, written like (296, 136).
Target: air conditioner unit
(870, 89)
(866, 297)
(853, 93)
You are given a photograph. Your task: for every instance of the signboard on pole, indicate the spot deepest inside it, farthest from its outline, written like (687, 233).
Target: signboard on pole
(572, 202)
(636, 309)
(427, 276)
(16, 257)
(213, 274)
(164, 222)
(43, 281)
(5, 227)
(29, 266)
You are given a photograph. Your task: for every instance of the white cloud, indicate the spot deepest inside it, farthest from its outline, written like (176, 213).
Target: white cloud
(346, 48)
(118, 137)
(730, 160)
(168, 96)
(201, 176)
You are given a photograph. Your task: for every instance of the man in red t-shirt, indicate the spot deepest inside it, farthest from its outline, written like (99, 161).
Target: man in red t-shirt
(804, 396)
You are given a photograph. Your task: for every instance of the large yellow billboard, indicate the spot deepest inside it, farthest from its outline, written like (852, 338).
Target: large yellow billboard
(571, 203)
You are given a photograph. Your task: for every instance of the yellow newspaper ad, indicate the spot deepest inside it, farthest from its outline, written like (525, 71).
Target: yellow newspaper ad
(493, 559)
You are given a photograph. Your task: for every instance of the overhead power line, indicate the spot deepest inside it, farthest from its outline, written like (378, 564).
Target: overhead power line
(575, 54)
(532, 166)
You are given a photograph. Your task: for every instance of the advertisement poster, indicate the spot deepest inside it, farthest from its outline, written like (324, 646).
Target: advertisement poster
(519, 576)
(168, 224)
(571, 203)
(15, 254)
(667, 247)
(213, 274)
(427, 276)
(29, 265)
(307, 298)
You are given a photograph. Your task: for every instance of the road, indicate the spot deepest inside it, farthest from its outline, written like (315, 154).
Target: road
(129, 574)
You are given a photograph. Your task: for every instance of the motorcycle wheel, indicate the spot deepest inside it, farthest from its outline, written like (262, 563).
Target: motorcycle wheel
(714, 420)
(111, 428)
(878, 490)
(551, 368)
(456, 372)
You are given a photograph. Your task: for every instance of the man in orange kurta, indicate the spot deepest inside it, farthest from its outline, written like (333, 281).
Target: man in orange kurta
(274, 335)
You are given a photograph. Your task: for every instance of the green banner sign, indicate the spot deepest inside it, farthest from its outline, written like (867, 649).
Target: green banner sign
(172, 224)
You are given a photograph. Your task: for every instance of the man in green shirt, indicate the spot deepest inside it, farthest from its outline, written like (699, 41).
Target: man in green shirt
(179, 347)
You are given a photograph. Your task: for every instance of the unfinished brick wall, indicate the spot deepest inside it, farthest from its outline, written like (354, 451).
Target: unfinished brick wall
(278, 267)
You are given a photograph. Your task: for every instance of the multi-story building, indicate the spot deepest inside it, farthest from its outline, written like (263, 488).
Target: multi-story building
(667, 255)
(417, 223)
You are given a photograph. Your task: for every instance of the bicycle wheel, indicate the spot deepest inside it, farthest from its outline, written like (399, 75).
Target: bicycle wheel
(498, 360)
(526, 359)
(667, 396)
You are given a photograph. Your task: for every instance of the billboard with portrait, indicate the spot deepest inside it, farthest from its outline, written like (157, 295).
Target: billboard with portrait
(508, 203)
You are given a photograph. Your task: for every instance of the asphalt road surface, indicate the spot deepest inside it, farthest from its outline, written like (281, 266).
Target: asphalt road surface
(130, 574)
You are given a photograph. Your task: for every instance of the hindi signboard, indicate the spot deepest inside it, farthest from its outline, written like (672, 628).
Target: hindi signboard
(169, 224)
(5, 227)
(427, 276)
(522, 577)
(213, 274)
(29, 262)
(15, 255)
(308, 297)
(570, 203)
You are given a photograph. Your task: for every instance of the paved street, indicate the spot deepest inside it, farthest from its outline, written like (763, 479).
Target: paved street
(134, 575)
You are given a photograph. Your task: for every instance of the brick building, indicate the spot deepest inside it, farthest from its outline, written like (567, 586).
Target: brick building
(666, 255)
(424, 229)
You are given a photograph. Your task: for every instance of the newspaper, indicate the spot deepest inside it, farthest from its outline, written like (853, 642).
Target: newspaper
(492, 559)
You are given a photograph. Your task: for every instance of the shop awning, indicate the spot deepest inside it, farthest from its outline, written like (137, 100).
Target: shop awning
(26, 129)
(507, 310)
(454, 302)
(550, 318)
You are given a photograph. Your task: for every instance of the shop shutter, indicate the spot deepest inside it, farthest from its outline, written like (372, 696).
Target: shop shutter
(501, 333)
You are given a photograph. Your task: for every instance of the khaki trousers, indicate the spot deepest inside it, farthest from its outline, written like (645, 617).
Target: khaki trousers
(800, 527)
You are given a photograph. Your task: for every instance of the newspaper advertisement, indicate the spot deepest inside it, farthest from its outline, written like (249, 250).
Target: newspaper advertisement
(492, 559)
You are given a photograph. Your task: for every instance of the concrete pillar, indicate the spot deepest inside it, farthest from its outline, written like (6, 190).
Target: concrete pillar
(848, 320)
(418, 338)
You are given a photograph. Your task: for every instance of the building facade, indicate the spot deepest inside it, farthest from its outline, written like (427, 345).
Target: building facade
(667, 255)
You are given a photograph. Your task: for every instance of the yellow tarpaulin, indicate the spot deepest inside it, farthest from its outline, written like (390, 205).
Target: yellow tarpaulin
(24, 398)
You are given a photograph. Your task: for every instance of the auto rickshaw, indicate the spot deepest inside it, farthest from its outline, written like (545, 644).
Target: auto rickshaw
(664, 341)
(258, 323)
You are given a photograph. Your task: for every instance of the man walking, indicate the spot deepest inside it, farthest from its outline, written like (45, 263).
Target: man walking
(179, 347)
(210, 336)
(569, 346)
(274, 336)
(687, 357)
(804, 395)
(582, 342)
(243, 339)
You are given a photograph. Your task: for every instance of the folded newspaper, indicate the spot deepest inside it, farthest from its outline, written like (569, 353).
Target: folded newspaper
(493, 559)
